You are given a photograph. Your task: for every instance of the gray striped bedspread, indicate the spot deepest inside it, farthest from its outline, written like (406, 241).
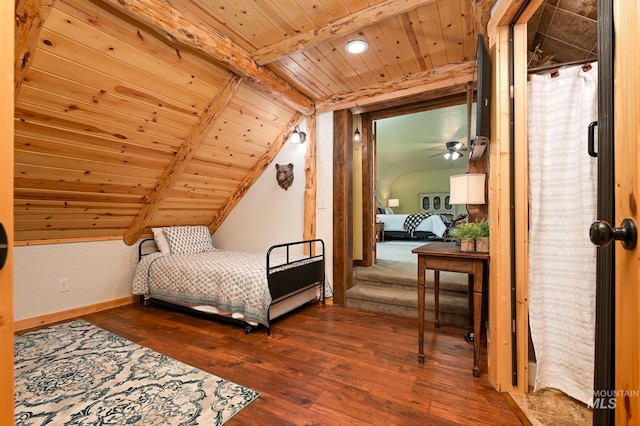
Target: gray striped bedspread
(229, 280)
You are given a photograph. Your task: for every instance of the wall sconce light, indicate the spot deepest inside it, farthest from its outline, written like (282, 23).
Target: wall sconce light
(467, 188)
(357, 139)
(394, 202)
(356, 46)
(297, 136)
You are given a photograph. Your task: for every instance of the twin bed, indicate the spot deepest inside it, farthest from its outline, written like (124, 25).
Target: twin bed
(253, 288)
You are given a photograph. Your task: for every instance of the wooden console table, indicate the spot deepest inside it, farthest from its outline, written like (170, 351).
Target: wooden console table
(438, 257)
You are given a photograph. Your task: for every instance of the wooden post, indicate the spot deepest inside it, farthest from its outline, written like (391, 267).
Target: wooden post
(310, 188)
(342, 205)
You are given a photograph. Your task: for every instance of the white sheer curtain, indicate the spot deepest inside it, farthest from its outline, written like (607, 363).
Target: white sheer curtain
(562, 260)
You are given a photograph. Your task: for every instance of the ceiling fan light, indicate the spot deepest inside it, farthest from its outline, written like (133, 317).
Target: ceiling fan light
(456, 155)
(447, 155)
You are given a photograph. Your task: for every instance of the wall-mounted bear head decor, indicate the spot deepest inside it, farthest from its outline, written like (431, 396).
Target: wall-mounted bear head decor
(284, 175)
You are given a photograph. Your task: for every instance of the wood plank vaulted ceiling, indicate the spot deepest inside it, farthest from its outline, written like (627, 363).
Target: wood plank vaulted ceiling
(138, 113)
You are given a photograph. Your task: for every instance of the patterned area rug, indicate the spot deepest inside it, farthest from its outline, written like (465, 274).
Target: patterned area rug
(78, 374)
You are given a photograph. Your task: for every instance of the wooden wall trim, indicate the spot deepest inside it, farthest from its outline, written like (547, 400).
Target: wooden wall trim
(368, 198)
(7, 21)
(435, 79)
(501, 268)
(521, 182)
(626, 109)
(310, 187)
(73, 240)
(47, 319)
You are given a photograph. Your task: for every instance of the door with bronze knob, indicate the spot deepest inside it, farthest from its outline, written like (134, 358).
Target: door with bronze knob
(617, 376)
(602, 233)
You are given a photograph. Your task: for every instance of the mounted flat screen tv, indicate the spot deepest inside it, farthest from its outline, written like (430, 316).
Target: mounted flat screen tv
(483, 101)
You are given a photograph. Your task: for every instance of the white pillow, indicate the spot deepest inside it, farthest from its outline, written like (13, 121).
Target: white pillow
(188, 239)
(161, 240)
(388, 210)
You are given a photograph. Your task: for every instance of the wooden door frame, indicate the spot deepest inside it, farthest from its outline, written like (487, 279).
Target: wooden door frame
(342, 205)
(7, 47)
(502, 216)
(627, 188)
(457, 96)
(507, 345)
(343, 178)
(604, 357)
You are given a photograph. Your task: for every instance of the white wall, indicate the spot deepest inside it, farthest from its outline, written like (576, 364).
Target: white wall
(97, 271)
(408, 188)
(268, 215)
(103, 271)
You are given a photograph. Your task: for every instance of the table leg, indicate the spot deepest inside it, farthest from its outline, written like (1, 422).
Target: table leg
(477, 313)
(436, 293)
(420, 310)
(470, 301)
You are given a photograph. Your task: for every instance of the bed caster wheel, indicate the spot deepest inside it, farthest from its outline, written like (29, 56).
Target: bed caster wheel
(469, 337)
(146, 303)
(248, 329)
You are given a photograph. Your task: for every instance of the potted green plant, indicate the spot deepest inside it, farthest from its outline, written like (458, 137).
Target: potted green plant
(482, 239)
(467, 233)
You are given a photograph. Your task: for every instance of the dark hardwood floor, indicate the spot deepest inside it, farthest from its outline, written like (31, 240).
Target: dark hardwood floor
(327, 365)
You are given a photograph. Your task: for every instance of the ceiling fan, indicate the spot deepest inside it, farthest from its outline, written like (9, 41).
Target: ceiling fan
(453, 151)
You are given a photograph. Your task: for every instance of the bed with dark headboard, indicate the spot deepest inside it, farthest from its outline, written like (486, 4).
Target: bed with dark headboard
(253, 288)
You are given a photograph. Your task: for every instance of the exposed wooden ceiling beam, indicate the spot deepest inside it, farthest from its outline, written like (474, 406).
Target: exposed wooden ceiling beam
(257, 171)
(481, 14)
(339, 28)
(180, 161)
(426, 101)
(438, 78)
(30, 15)
(181, 28)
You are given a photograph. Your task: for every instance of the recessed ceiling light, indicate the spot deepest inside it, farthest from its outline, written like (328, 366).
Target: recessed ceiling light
(356, 46)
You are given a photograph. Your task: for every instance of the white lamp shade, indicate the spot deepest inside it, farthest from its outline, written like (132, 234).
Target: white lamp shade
(394, 202)
(467, 188)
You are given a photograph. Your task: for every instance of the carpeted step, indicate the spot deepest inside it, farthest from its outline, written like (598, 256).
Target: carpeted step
(390, 286)
(453, 306)
(449, 281)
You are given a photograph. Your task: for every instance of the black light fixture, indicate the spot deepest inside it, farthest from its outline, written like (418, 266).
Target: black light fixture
(357, 138)
(298, 136)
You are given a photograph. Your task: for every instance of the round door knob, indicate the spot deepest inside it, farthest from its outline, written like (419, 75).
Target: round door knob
(602, 233)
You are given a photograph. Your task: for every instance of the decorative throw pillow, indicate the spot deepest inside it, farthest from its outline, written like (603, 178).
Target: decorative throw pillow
(388, 210)
(188, 239)
(161, 240)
